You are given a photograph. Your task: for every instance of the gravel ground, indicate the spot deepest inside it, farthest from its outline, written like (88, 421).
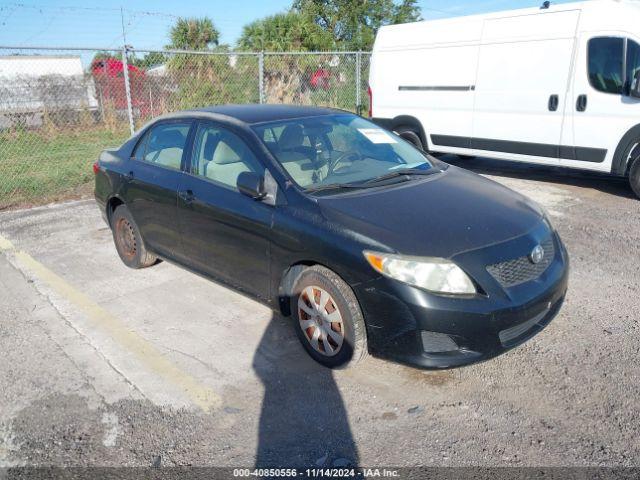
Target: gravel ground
(104, 366)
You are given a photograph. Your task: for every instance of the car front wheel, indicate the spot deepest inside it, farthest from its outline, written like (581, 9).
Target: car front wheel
(634, 177)
(128, 240)
(328, 318)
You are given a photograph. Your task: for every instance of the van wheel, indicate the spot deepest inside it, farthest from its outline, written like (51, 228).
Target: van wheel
(329, 322)
(634, 177)
(129, 244)
(410, 136)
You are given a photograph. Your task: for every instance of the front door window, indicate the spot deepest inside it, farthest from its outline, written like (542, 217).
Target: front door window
(606, 60)
(633, 64)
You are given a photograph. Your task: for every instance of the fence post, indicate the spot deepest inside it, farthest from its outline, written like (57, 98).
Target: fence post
(101, 103)
(261, 76)
(358, 82)
(127, 88)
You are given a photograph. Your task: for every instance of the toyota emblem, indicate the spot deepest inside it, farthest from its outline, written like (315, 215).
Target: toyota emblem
(537, 254)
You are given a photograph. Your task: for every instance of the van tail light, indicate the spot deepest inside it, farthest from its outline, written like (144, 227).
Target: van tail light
(96, 168)
(370, 94)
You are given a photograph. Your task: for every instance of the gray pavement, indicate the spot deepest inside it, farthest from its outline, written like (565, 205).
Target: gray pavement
(105, 366)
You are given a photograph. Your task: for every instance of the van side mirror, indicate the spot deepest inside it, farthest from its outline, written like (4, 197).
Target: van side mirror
(252, 185)
(635, 85)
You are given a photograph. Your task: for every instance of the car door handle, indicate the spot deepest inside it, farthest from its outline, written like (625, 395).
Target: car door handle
(581, 103)
(554, 101)
(129, 176)
(187, 196)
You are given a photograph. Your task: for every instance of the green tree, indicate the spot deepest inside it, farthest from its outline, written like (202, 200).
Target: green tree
(353, 24)
(151, 59)
(199, 80)
(104, 55)
(291, 31)
(194, 34)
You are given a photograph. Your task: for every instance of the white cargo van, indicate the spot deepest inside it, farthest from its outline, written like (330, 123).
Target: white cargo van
(554, 85)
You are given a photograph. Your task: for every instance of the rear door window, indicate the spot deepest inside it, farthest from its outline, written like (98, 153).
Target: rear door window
(606, 64)
(165, 144)
(221, 156)
(138, 152)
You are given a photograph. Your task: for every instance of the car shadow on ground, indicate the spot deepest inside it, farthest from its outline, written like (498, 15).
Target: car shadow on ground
(561, 176)
(303, 419)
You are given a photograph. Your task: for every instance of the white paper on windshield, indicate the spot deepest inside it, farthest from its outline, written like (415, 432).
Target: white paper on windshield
(377, 135)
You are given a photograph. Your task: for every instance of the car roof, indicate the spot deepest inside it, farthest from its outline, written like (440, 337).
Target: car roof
(260, 113)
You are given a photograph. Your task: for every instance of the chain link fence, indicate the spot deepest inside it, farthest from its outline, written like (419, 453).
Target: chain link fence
(60, 108)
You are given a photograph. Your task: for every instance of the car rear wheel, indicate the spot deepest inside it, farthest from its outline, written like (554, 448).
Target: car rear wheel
(128, 241)
(328, 318)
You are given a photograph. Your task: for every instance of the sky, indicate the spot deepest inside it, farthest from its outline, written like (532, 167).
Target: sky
(73, 23)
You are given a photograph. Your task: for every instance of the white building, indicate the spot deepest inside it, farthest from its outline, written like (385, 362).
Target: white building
(33, 84)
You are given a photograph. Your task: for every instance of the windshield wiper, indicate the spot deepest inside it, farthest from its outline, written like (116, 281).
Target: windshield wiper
(334, 186)
(405, 172)
(402, 175)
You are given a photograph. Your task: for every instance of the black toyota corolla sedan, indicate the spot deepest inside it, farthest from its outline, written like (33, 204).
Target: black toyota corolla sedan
(367, 243)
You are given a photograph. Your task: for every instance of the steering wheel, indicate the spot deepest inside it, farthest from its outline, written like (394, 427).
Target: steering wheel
(346, 155)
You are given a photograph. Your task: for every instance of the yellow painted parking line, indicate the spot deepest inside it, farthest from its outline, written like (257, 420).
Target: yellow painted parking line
(5, 244)
(146, 353)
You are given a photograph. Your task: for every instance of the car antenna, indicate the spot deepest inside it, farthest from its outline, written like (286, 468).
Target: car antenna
(545, 5)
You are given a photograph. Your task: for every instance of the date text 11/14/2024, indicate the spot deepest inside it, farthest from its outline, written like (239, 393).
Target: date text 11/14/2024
(317, 472)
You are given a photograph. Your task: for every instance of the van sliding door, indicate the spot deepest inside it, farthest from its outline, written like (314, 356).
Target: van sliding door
(522, 84)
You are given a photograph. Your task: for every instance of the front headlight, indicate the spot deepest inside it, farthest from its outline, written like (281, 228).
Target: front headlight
(433, 274)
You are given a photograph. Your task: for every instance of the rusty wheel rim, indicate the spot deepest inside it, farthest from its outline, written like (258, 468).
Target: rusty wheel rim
(126, 238)
(321, 321)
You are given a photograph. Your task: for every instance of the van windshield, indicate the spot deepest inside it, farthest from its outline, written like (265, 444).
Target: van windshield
(340, 150)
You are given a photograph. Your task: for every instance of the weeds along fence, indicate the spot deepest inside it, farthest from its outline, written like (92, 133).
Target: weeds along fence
(59, 108)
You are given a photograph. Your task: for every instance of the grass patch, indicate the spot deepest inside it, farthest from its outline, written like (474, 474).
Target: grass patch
(38, 167)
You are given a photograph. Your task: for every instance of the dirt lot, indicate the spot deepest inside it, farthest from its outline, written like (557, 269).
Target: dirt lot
(101, 365)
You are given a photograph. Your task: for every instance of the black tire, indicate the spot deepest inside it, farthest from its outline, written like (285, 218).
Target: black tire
(353, 347)
(128, 241)
(410, 136)
(634, 177)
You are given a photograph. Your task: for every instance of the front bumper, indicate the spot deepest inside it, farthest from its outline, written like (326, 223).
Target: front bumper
(412, 326)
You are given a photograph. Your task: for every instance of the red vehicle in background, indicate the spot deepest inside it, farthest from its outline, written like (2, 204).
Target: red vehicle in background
(108, 75)
(320, 79)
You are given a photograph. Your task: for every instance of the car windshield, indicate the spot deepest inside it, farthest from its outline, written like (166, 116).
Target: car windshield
(341, 150)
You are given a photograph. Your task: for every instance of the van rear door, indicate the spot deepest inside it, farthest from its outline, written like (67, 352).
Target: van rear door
(522, 84)
(427, 70)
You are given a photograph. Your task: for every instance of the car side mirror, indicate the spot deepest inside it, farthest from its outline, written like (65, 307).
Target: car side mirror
(635, 85)
(251, 184)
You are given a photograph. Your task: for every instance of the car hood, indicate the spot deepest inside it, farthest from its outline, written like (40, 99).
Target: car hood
(440, 216)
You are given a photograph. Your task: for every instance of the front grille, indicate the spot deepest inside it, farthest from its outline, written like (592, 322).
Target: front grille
(510, 335)
(517, 334)
(521, 270)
